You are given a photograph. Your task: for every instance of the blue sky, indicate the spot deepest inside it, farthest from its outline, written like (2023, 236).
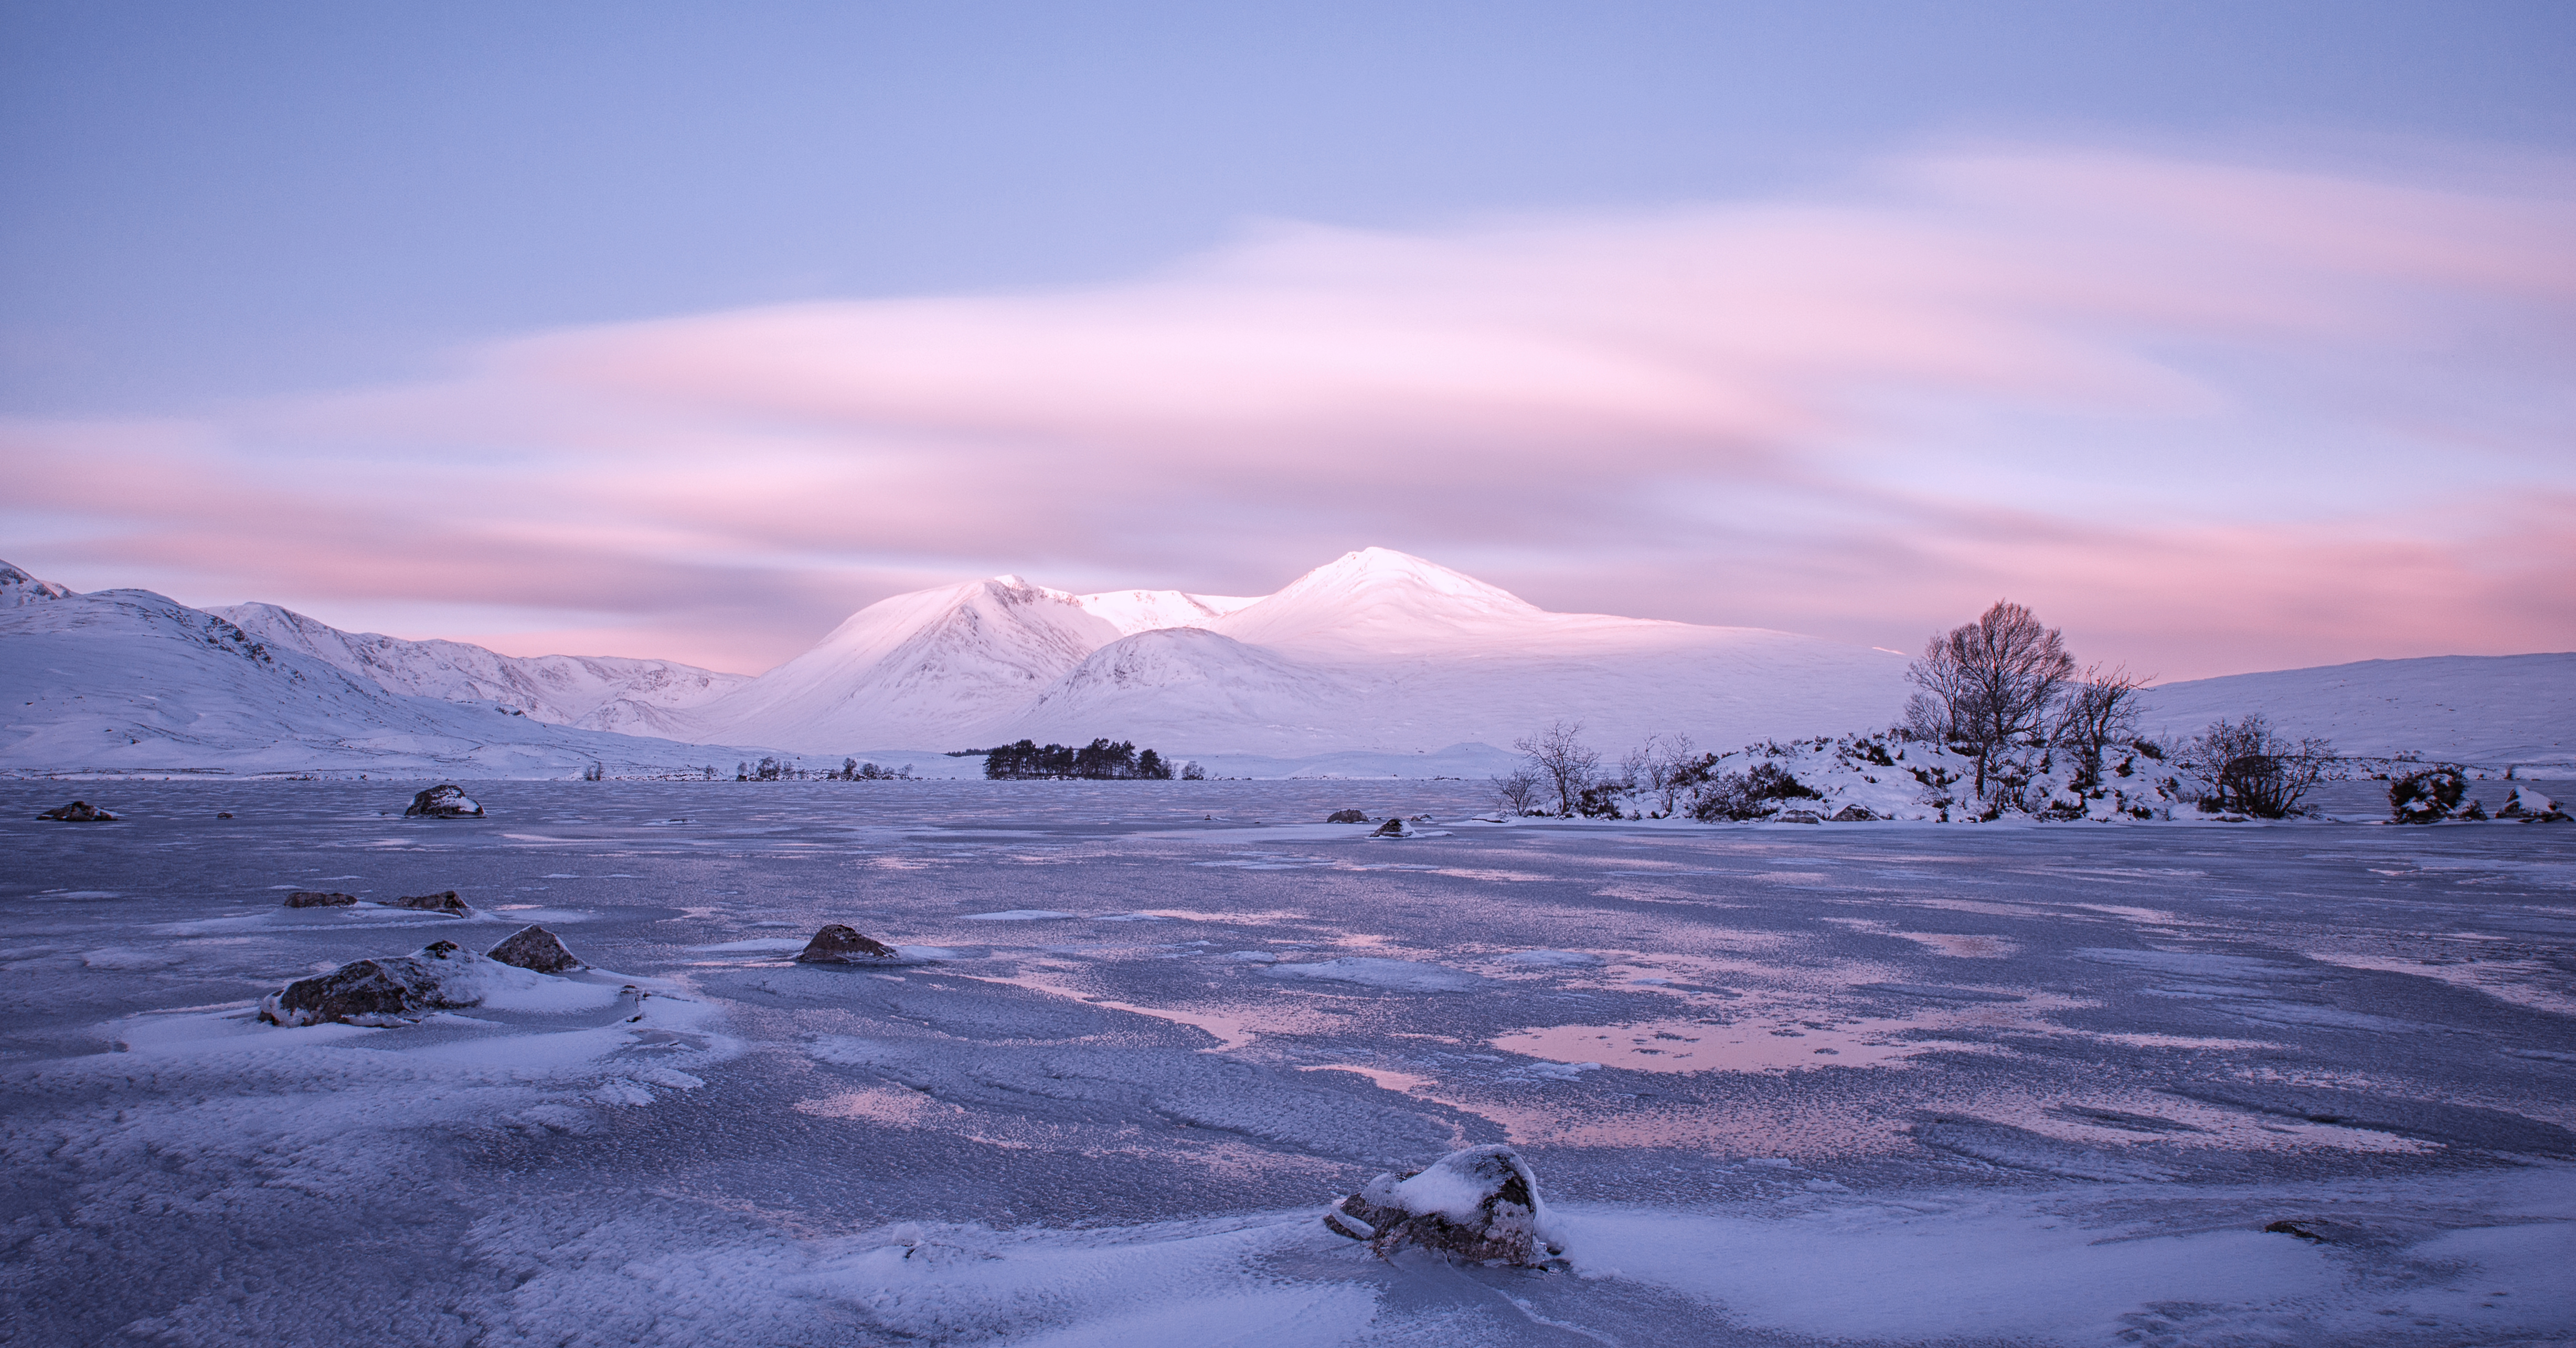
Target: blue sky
(216, 212)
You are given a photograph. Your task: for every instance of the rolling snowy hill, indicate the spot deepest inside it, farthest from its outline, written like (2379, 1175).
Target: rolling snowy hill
(131, 681)
(1376, 651)
(2492, 709)
(1377, 663)
(593, 692)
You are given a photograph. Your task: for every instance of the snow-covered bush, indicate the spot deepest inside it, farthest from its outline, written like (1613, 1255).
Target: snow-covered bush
(2430, 796)
(1757, 792)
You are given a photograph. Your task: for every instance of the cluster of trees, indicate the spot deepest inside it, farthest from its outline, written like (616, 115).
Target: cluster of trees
(2005, 684)
(2002, 693)
(1100, 760)
(773, 769)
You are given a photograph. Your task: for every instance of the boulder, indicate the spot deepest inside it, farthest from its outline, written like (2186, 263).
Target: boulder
(442, 902)
(444, 802)
(314, 898)
(1346, 817)
(837, 944)
(79, 812)
(371, 992)
(1853, 814)
(2526, 803)
(1797, 817)
(223, 814)
(1479, 1205)
(534, 947)
(1394, 828)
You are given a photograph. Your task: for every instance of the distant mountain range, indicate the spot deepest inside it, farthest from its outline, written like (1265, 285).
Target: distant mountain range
(1375, 663)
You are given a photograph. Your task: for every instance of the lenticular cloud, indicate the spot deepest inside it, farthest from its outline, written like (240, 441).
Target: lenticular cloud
(2117, 385)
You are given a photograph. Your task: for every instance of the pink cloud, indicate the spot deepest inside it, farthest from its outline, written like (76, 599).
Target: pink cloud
(2218, 416)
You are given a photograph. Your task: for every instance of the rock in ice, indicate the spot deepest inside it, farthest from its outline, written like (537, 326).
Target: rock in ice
(445, 901)
(314, 898)
(837, 944)
(79, 812)
(1480, 1205)
(534, 947)
(367, 992)
(444, 802)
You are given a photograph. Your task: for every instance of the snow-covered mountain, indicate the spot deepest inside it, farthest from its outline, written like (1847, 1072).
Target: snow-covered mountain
(2491, 709)
(593, 692)
(132, 681)
(1374, 651)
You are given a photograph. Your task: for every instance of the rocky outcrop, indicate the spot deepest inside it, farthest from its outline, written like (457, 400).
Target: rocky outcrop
(377, 991)
(314, 898)
(444, 901)
(444, 802)
(1797, 817)
(837, 944)
(536, 948)
(1479, 1205)
(79, 812)
(1346, 817)
(1853, 814)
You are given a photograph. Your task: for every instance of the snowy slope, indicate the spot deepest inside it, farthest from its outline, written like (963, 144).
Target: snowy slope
(2489, 709)
(936, 668)
(628, 696)
(1376, 651)
(1133, 611)
(1382, 651)
(132, 681)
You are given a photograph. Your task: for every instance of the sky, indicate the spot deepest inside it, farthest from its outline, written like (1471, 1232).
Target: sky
(2229, 337)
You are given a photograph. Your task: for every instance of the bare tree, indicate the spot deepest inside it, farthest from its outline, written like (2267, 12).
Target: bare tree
(1517, 789)
(1665, 764)
(2099, 709)
(1989, 683)
(1562, 761)
(2253, 768)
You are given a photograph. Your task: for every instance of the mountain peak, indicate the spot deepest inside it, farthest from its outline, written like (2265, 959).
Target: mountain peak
(17, 587)
(1382, 600)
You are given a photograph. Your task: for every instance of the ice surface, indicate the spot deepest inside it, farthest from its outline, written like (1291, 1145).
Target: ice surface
(2076, 1072)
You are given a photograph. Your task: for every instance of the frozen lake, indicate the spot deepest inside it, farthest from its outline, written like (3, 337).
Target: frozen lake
(1780, 1083)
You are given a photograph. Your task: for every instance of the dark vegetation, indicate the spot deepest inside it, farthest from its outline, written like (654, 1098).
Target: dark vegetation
(1100, 760)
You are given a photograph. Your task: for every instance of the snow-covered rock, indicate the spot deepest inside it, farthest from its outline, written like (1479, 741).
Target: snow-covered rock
(1479, 1205)
(448, 801)
(375, 991)
(1878, 776)
(78, 812)
(2526, 803)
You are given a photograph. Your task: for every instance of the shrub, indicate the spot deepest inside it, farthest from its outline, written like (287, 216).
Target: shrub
(2427, 796)
(1752, 794)
(2248, 766)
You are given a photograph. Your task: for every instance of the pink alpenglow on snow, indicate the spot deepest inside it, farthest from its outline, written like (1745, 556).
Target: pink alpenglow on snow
(2183, 407)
